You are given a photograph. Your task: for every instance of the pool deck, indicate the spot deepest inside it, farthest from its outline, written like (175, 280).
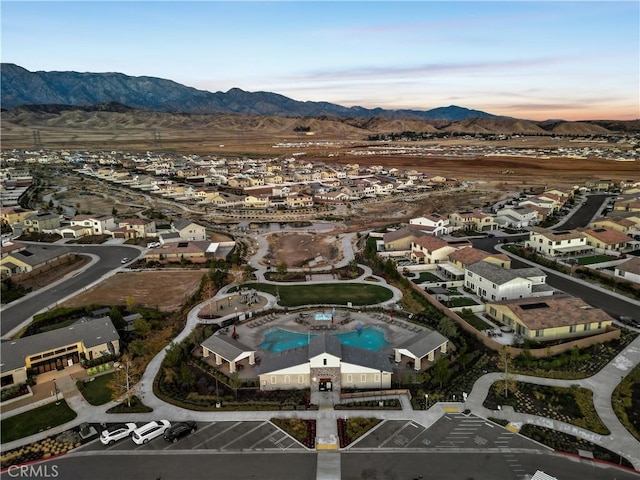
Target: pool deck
(251, 332)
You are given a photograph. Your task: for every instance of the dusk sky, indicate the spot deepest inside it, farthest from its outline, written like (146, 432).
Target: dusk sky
(535, 60)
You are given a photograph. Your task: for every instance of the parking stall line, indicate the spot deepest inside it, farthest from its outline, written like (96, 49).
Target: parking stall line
(234, 424)
(401, 439)
(243, 435)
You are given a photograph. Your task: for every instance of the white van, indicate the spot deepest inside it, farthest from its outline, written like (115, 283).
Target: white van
(150, 431)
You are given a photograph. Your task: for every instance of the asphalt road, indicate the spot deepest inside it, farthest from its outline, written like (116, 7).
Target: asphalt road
(585, 213)
(110, 256)
(436, 465)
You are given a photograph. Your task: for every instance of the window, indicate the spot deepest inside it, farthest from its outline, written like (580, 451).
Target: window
(324, 361)
(273, 379)
(492, 311)
(376, 377)
(363, 377)
(300, 378)
(349, 378)
(587, 327)
(287, 379)
(539, 333)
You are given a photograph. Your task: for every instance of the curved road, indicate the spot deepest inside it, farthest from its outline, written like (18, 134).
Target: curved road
(110, 256)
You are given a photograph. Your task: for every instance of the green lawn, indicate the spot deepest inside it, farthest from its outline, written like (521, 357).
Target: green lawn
(36, 420)
(96, 391)
(461, 302)
(595, 259)
(326, 293)
(426, 277)
(476, 322)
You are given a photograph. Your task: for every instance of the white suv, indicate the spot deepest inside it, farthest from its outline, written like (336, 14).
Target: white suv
(117, 432)
(150, 431)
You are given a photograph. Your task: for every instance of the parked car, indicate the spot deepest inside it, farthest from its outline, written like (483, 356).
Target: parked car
(179, 430)
(149, 431)
(117, 432)
(125, 260)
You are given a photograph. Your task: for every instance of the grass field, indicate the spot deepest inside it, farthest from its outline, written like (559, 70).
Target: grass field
(36, 420)
(326, 293)
(96, 391)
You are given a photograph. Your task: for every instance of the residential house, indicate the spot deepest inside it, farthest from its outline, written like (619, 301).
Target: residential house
(401, 239)
(135, 228)
(189, 230)
(468, 256)
(431, 250)
(433, 223)
(45, 222)
(600, 185)
(473, 220)
(491, 282)
(630, 205)
(623, 225)
(331, 197)
(193, 251)
(555, 318)
(607, 240)
(298, 200)
(629, 270)
(57, 349)
(552, 243)
(257, 201)
(14, 215)
(95, 224)
(325, 365)
(18, 258)
(516, 217)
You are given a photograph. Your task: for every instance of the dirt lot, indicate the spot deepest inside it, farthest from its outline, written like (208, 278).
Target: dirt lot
(166, 290)
(300, 249)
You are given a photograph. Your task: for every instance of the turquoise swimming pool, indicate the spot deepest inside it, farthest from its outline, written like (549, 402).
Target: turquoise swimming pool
(278, 339)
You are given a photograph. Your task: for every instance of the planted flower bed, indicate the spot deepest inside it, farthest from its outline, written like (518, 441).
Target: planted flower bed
(350, 429)
(572, 405)
(302, 430)
(44, 449)
(14, 392)
(570, 444)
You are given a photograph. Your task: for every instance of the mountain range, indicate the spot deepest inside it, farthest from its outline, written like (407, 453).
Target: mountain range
(23, 87)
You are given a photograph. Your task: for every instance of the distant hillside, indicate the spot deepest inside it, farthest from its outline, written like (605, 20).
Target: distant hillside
(22, 87)
(113, 117)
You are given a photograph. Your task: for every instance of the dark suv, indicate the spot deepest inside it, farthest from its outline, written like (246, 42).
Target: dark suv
(178, 430)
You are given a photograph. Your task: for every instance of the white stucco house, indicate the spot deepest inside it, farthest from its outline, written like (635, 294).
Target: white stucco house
(491, 282)
(557, 243)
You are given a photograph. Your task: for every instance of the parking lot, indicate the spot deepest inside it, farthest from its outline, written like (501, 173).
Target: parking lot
(220, 436)
(452, 431)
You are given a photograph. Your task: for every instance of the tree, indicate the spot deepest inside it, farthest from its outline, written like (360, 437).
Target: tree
(141, 327)
(282, 268)
(235, 382)
(124, 379)
(187, 377)
(116, 318)
(114, 211)
(447, 327)
(505, 363)
(441, 371)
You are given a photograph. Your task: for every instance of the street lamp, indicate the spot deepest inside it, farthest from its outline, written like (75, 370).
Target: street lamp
(55, 389)
(229, 299)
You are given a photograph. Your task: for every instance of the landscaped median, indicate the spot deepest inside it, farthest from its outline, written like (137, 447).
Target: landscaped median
(358, 294)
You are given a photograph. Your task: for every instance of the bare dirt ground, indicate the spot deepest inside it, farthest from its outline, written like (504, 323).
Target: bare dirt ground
(300, 249)
(164, 290)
